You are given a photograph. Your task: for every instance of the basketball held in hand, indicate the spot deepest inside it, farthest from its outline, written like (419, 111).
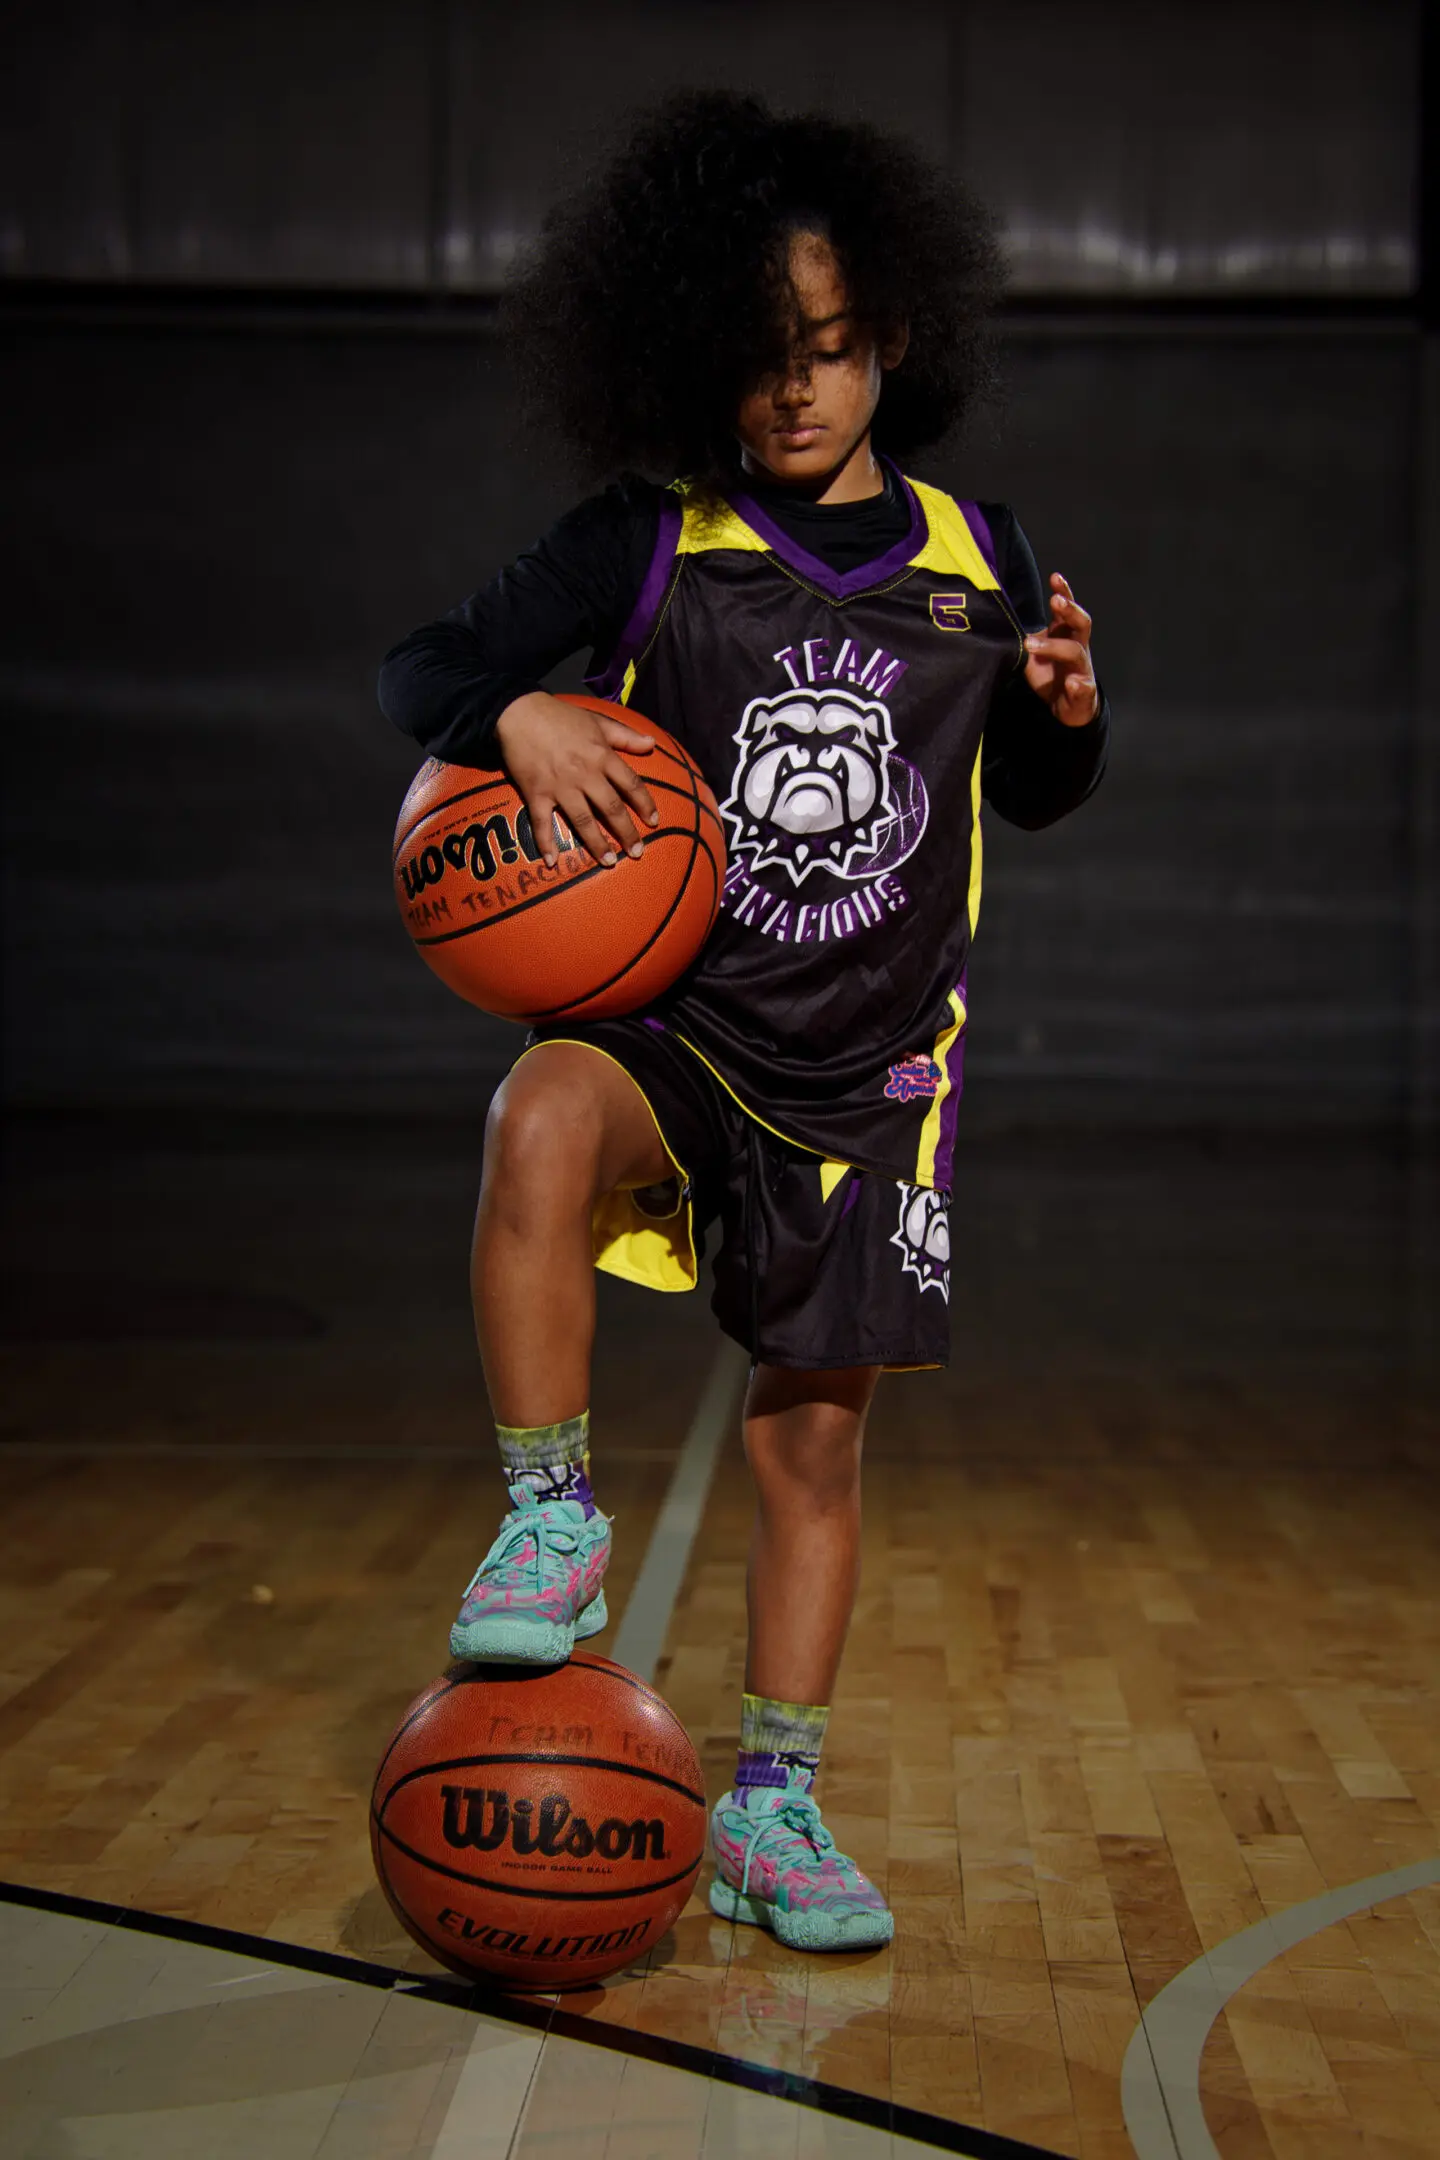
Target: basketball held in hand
(527, 942)
(542, 1828)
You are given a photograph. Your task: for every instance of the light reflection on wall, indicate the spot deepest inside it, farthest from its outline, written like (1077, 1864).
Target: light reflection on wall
(371, 145)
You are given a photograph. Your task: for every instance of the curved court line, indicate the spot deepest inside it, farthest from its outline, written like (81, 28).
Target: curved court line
(1160, 2081)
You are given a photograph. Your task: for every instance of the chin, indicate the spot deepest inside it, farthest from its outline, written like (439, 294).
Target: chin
(810, 463)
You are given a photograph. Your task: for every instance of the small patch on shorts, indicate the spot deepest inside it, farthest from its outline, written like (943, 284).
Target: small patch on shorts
(914, 1079)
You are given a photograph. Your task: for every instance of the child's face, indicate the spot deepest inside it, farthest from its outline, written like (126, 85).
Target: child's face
(801, 425)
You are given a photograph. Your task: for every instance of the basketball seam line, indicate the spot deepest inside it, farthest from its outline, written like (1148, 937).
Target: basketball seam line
(573, 1762)
(480, 1670)
(541, 1890)
(443, 1686)
(496, 922)
(577, 1005)
(658, 786)
(503, 780)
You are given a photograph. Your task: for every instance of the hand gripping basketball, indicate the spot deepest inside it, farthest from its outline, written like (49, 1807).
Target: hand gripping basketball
(527, 940)
(570, 757)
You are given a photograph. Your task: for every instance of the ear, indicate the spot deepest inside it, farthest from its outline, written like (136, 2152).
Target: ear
(894, 345)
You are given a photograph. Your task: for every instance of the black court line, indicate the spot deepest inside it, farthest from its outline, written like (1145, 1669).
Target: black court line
(826, 2099)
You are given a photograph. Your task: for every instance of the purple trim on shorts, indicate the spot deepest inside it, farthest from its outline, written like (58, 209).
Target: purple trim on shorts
(852, 1198)
(818, 573)
(950, 1108)
(649, 1020)
(610, 679)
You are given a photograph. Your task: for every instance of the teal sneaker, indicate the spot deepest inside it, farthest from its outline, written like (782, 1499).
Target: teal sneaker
(777, 1868)
(538, 1589)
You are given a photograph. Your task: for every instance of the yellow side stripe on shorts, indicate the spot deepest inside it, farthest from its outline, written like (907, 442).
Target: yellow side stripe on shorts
(930, 1130)
(977, 843)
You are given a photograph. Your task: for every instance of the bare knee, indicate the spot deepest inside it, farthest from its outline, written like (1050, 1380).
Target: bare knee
(804, 1436)
(543, 1137)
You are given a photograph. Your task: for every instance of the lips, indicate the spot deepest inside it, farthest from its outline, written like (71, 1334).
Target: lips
(798, 438)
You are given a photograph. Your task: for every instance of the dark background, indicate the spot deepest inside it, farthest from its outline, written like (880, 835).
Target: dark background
(258, 423)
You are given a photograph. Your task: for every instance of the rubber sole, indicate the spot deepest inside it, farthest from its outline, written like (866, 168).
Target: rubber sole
(802, 1930)
(511, 1638)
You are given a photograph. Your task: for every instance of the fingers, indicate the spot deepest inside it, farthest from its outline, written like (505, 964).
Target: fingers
(611, 810)
(599, 819)
(590, 832)
(632, 787)
(620, 737)
(541, 810)
(1065, 609)
(1066, 651)
(1081, 701)
(544, 810)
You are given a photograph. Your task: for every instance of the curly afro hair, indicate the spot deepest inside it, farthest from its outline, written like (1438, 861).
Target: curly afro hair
(661, 292)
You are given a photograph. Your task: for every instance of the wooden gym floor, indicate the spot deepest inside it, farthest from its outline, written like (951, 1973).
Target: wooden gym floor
(1143, 1677)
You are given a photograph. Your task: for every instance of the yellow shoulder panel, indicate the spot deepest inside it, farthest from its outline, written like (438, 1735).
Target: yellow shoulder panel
(951, 545)
(707, 524)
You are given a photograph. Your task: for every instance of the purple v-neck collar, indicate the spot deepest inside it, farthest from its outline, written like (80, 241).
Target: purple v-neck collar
(839, 586)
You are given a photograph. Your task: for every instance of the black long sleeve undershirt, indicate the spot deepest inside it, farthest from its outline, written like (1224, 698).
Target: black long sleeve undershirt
(448, 683)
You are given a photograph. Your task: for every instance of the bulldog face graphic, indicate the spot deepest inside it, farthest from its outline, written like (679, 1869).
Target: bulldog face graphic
(812, 787)
(924, 1237)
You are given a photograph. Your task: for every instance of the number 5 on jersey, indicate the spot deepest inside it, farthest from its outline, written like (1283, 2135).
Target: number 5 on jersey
(947, 610)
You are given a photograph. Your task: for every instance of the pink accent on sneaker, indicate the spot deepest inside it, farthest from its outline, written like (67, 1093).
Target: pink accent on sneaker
(771, 1845)
(547, 1562)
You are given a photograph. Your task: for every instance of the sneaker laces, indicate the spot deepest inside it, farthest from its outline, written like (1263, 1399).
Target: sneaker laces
(554, 1541)
(797, 1817)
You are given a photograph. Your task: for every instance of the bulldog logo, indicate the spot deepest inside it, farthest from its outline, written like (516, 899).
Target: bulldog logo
(818, 787)
(924, 1237)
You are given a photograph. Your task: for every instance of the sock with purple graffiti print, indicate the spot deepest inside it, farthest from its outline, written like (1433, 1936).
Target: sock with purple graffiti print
(776, 1738)
(548, 1462)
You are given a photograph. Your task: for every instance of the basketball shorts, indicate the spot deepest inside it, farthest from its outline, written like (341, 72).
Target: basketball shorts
(815, 1264)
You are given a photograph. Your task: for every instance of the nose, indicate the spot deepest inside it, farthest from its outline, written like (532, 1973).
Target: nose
(796, 387)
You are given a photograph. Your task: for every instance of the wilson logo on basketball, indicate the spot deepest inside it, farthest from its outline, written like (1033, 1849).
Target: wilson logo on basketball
(482, 1819)
(481, 849)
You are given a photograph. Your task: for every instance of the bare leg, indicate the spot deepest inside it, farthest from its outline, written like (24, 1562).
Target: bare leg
(566, 1126)
(803, 1437)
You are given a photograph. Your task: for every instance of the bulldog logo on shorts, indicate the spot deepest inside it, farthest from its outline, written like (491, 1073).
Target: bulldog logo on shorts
(924, 1237)
(818, 786)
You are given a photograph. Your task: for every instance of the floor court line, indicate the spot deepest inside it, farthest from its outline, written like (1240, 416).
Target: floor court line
(491, 2095)
(1160, 2080)
(485, 2117)
(640, 1637)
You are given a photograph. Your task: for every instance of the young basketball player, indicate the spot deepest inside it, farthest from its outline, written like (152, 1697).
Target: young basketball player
(776, 309)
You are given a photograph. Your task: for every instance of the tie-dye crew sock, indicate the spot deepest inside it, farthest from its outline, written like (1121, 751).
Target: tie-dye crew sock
(776, 1738)
(548, 1462)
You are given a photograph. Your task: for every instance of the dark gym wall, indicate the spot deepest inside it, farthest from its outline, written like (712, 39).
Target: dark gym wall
(1240, 147)
(251, 441)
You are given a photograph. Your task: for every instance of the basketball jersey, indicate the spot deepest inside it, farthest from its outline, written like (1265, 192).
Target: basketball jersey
(838, 719)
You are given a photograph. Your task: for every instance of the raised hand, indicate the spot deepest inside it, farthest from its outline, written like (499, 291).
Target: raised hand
(1057, 665)
(566, 758)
